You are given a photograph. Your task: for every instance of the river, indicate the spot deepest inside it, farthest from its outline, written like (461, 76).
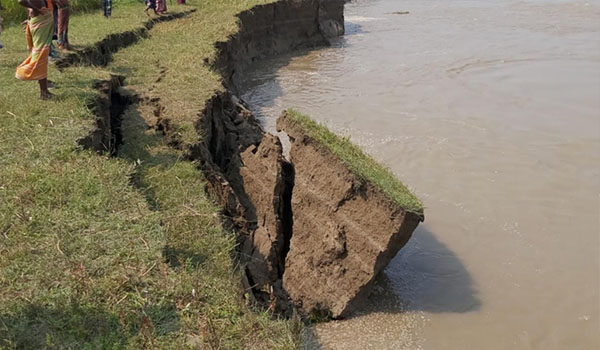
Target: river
(490, 111)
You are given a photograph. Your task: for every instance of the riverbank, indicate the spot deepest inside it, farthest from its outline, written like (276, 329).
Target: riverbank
(494, 124)
(124, 251)
(152, 124)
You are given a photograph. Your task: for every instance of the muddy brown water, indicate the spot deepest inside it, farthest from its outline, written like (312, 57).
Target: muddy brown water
(490, 112)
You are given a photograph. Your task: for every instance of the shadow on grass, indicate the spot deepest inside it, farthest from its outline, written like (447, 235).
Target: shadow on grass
(136, 142)
(176, 257)
(164, 318)
(38, 327)
(138, 139)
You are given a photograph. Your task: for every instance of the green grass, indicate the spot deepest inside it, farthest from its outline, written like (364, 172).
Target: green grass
(364, 166)
(125, 252)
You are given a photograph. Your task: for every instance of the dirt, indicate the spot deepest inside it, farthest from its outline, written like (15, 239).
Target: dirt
(277, 28)
(268, 180)
(301, 226)
(345, 230)
(105, 137)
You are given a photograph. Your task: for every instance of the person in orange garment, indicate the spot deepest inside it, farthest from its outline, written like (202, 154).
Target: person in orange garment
(39, 31)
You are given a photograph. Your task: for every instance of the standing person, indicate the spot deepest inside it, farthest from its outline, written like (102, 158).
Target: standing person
(181, 2)
(107, 5)
(1, 8)
(161, 6)
(64, 12)
(39, 31)
(150, 4)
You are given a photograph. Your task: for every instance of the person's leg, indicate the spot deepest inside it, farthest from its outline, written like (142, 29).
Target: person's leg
(66, 33)
(0, 27)
(55, 15)
(44, 93)
(1, 9)
(107, 8)
(63, 28)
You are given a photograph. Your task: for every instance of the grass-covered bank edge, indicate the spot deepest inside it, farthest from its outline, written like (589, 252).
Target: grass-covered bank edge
(125, 252)
(361, 164)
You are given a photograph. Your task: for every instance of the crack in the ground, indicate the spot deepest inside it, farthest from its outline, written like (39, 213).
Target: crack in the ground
(101, 53)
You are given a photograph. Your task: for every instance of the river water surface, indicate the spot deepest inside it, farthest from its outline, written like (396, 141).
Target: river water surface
(490, 111)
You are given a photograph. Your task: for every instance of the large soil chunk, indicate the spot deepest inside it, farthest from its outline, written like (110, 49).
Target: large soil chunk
(345, 229)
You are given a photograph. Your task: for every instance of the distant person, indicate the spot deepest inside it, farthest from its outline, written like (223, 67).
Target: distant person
(151, 4)
(161, 6)
(39, 31)
(1, 9)
(64, 12)
(107, 5)
(181, 2)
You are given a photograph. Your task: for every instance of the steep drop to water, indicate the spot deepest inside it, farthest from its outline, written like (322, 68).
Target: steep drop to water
(490, 111)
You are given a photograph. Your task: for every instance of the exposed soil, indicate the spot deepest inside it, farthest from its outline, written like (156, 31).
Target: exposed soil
(277, 28)
(108, 108)
(345, 230)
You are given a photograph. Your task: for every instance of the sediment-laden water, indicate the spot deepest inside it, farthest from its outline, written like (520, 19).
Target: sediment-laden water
(490, 111)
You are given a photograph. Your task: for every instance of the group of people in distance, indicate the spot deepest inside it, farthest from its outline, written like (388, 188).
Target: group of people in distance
(49, 20)
(159, 6)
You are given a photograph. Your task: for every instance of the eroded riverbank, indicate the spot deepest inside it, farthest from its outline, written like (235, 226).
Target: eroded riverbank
(269, 202)
(490, 111)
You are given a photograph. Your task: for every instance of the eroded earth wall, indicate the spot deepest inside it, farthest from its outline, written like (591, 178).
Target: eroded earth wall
(303, 234)
(278, 28)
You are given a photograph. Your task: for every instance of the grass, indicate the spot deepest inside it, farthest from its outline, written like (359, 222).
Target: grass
(125, 252)
(364, 166)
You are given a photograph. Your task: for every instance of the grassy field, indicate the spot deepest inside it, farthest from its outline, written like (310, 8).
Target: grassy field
(124, 252)
(360, 163)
